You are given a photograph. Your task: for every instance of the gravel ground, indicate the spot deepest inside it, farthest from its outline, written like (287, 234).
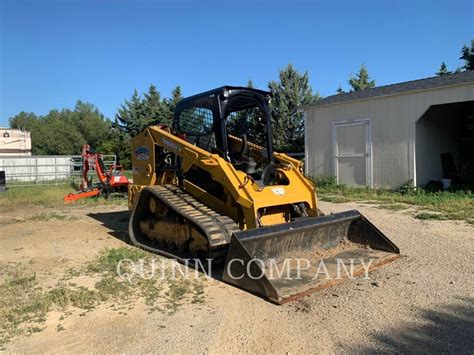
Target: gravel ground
(423, 302)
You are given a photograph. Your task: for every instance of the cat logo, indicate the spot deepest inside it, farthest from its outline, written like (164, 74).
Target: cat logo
(142, 153)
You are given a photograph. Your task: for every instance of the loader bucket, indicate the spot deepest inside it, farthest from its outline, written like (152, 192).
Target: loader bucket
(287, 261)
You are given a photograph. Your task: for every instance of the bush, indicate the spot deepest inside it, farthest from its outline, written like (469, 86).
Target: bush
(324, 181)
(408, 188)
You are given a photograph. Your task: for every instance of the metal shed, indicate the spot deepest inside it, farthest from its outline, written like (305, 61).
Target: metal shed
(418, 130)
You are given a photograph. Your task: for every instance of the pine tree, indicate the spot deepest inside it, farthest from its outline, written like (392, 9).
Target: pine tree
(131, 116)
(170, 105)
(290, 92)
(155, 109)
(361, 80)
(467, 55)
(443, 70)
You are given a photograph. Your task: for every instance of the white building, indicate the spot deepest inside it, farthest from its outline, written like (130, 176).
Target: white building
(14, 142)
(419, 130)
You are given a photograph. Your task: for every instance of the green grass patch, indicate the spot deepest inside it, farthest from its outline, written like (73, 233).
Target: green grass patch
(108, 259)
(24, 303)
(164, 292)
(393, 207)
(452, 205)
(49, 196)
(428, 215)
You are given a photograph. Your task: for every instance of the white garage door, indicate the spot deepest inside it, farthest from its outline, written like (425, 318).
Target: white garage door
(352, 152)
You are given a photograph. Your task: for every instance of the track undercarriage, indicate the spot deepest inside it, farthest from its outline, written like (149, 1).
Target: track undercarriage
(171, 221)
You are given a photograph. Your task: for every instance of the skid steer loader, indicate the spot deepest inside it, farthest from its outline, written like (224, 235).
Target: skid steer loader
(211, 186)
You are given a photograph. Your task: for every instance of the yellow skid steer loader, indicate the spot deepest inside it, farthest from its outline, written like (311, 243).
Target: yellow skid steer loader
(211, 186)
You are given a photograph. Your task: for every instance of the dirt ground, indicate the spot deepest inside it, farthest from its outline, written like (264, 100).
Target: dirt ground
(422, 302)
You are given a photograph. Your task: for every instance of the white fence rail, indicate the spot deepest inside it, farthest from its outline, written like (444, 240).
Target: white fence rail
(45, 169)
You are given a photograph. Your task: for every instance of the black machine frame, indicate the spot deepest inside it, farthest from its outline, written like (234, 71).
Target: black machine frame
(222, 101)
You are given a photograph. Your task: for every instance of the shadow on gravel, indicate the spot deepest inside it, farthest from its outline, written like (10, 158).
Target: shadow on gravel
(116, 221)
(447, 330)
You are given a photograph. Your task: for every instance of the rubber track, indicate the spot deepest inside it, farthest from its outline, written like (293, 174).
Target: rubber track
(217, 228)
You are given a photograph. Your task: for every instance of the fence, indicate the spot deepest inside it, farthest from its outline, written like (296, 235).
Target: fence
(41, 170)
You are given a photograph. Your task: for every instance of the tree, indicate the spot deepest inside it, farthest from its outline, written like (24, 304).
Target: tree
(290, 92)
(131, 116)
(136, 114)
(120, 145)
(361, 80)
(64, 132)
(443, 70)
(93, 126)
(467, 55)
(155, 109)
(60, 134)
(170, 104)
(24, 120)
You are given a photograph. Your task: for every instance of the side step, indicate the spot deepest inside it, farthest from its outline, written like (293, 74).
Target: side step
(287, 261)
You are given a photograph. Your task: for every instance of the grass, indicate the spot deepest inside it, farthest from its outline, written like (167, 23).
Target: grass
(428, 215)
(163, 294)
(48, 196)
(444, 205)
(25, 304)
(23, 307)
(108, 259)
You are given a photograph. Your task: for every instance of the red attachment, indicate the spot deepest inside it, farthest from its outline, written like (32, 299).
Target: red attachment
(112, 180)
(116, 177)
(74, 196)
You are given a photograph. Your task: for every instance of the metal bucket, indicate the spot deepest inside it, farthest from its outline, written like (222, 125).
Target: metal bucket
(284, 262)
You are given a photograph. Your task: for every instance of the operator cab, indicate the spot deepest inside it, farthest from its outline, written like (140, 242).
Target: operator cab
(234, 122)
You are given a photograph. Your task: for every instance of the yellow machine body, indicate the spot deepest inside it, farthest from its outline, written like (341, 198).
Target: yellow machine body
(241, 193)
(201, 189)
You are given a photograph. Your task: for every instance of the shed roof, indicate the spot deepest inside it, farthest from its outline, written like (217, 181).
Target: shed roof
(399, 88)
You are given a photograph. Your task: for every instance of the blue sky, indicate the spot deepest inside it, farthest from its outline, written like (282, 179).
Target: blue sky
(55, 52)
